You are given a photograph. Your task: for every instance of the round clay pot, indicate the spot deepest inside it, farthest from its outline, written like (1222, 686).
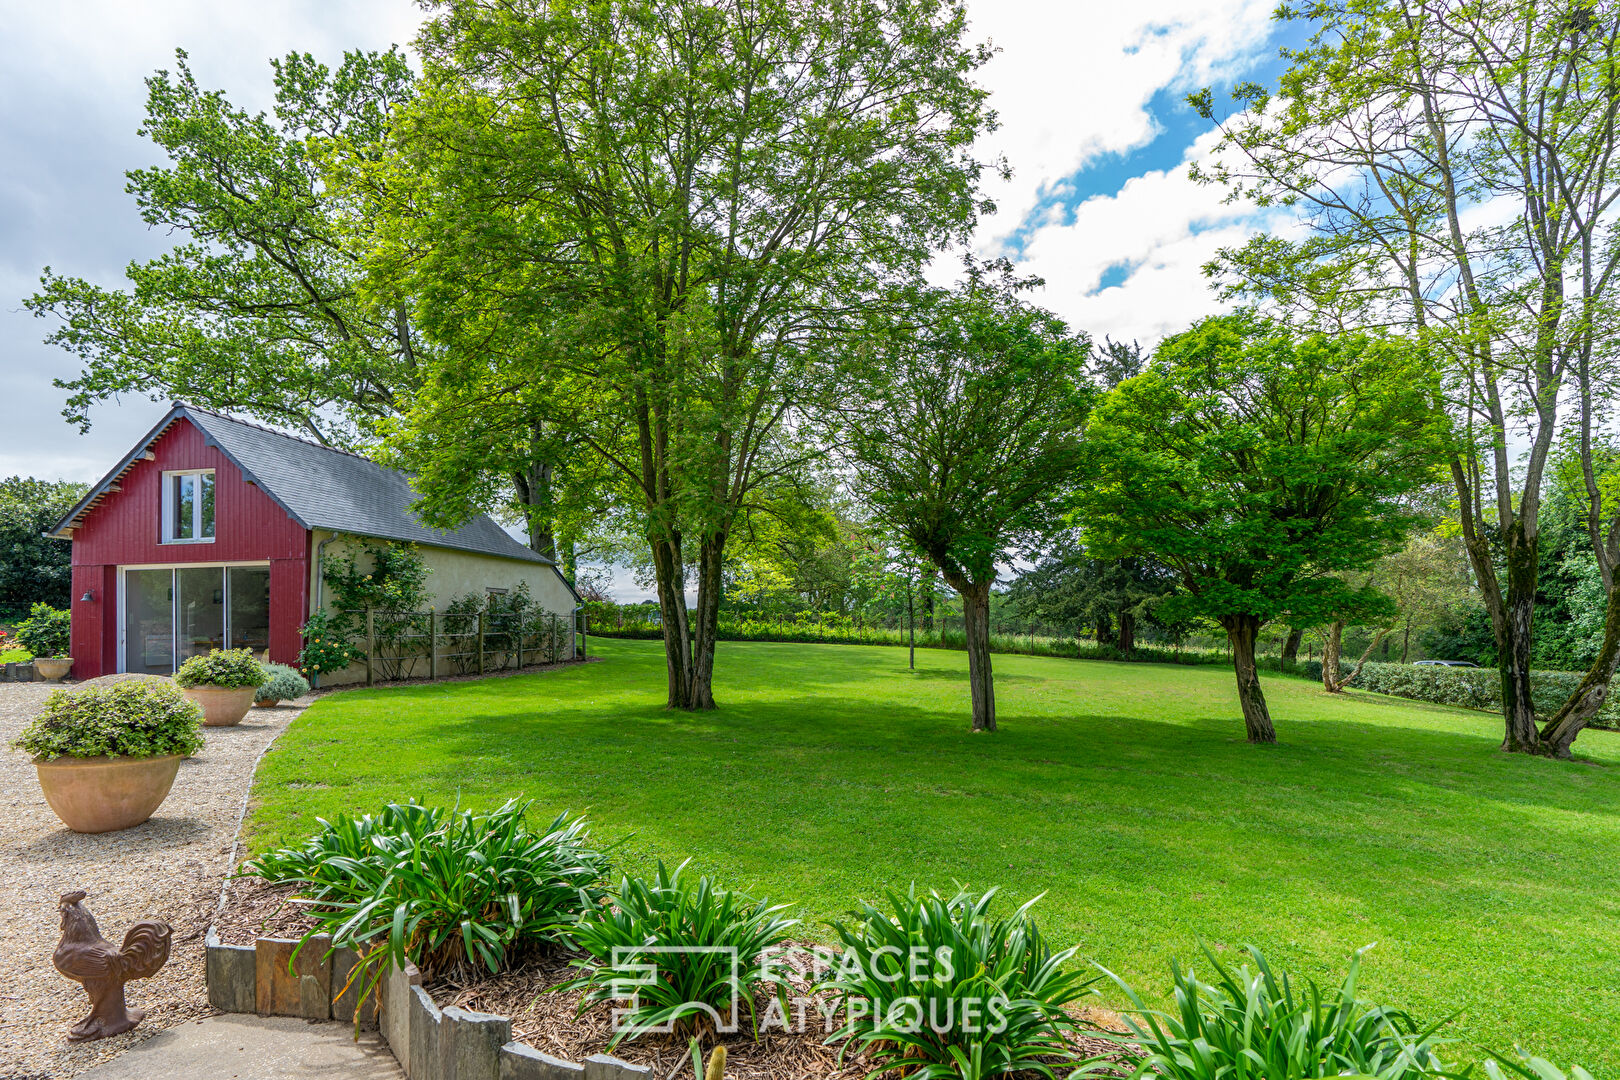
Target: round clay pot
(104, 794)
(53, 668)
(222, 706)
(272, 703)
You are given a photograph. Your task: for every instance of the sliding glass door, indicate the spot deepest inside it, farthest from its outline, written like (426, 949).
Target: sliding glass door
(149, 621)
(171, 614)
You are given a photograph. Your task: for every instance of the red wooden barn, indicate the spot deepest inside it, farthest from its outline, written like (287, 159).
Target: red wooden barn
(209, 534)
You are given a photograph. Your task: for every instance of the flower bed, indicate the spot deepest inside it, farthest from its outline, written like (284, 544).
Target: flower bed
(551, 1021)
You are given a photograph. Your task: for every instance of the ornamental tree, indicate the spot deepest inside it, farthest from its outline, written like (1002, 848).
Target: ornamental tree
(964, 433)
(1261, 466)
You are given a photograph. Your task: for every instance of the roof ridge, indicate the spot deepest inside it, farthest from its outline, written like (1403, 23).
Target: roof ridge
(188, 407)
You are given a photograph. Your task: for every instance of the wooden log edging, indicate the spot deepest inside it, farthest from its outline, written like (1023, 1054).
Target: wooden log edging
(428, 1042)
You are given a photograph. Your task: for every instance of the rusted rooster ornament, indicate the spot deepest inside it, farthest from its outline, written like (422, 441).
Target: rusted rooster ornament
(84, 956)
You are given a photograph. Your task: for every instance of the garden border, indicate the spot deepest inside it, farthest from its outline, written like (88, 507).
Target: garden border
(19, 672)
(274, 977)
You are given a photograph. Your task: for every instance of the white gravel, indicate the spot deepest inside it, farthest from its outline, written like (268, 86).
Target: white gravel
(169, 868)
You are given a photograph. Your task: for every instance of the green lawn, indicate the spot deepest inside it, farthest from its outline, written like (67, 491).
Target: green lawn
(1126, 792)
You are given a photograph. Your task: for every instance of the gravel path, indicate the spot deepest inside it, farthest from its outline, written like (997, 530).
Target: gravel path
(169, 868)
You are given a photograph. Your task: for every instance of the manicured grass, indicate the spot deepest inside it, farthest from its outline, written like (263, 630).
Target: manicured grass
(1124, 791)
(15, 656)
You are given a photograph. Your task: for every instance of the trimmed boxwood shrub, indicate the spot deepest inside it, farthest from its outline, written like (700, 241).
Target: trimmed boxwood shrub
(281, 683)
(232, 669)
(138, 718)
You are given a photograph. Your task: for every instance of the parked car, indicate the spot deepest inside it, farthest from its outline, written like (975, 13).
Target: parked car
(1444, 663)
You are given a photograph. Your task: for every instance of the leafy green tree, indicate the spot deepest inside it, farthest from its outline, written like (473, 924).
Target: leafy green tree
(33, 569)
(257, 309)
(1457, 163)
(1112, 596)
(649, 220)
(1262, 466)
(962, 435)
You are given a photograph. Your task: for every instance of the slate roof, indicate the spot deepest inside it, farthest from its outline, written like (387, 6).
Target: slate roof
(320, 488)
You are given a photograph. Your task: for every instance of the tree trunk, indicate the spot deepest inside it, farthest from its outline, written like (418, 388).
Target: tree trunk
(711, 563)
(1290, 653)
(533, 488)
(1242, 631)
(1406, 640)
(1573, 716)
(670, 578)
(1127, 630)
(911, 629)
(1330, 658)
(976, 625)
(1514, 642)
(1378, 639)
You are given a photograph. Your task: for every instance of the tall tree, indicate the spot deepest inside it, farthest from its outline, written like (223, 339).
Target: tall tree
(257, 308)
(34, 569)
(1457, 161)
(260, 309)
(1262, 466)
(963, 434)
(1111, 596)
(662, 212)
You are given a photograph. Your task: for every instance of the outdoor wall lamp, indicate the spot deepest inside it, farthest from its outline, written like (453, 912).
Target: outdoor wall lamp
(89, 595)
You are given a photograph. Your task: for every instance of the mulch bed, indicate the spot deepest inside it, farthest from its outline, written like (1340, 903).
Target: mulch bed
(551, 1022)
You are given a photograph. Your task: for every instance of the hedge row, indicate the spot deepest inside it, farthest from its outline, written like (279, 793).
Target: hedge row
(1069, 648)
(1469, 688)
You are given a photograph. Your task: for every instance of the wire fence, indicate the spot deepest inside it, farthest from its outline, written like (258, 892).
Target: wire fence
(398, 645)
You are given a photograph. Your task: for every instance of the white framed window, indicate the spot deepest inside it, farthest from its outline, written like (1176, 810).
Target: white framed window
(188, 507)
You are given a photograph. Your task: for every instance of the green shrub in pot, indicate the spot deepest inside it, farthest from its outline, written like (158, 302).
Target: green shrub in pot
(132, 719)
(281, 683)
(231, 669)
(107, 755)
(47, 632)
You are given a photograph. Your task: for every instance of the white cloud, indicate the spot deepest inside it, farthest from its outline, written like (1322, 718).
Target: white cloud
(1160, 228)
(1073, 81)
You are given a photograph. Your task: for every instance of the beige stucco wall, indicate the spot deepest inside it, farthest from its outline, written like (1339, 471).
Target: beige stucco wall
(451, 574)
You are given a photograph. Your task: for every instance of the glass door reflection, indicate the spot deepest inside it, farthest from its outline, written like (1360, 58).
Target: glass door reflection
(199, 611)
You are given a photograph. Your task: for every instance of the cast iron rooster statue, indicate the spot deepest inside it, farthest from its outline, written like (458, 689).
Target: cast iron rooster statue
(84, 956)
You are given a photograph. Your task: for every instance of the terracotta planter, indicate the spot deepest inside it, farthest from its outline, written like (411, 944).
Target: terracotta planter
(222, 706)
(102, 794)
(272, 703)
(53, 668)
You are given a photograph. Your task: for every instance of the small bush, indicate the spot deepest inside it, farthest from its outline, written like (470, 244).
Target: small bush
(448, 890)
(231, 668)
(281, 683)
(647, 921)
(46, 632)
(138, 718)
(935, 988)
(1258, 1025)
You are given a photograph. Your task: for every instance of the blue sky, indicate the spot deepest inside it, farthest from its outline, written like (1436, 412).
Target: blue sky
(1089, 94)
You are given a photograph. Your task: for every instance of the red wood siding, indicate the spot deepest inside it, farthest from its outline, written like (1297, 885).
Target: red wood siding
(124, 529)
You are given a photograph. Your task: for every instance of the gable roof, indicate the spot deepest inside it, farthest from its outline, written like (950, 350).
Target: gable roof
(318, 487)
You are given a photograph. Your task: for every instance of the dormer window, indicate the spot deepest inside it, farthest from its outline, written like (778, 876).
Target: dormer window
(188, 507)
